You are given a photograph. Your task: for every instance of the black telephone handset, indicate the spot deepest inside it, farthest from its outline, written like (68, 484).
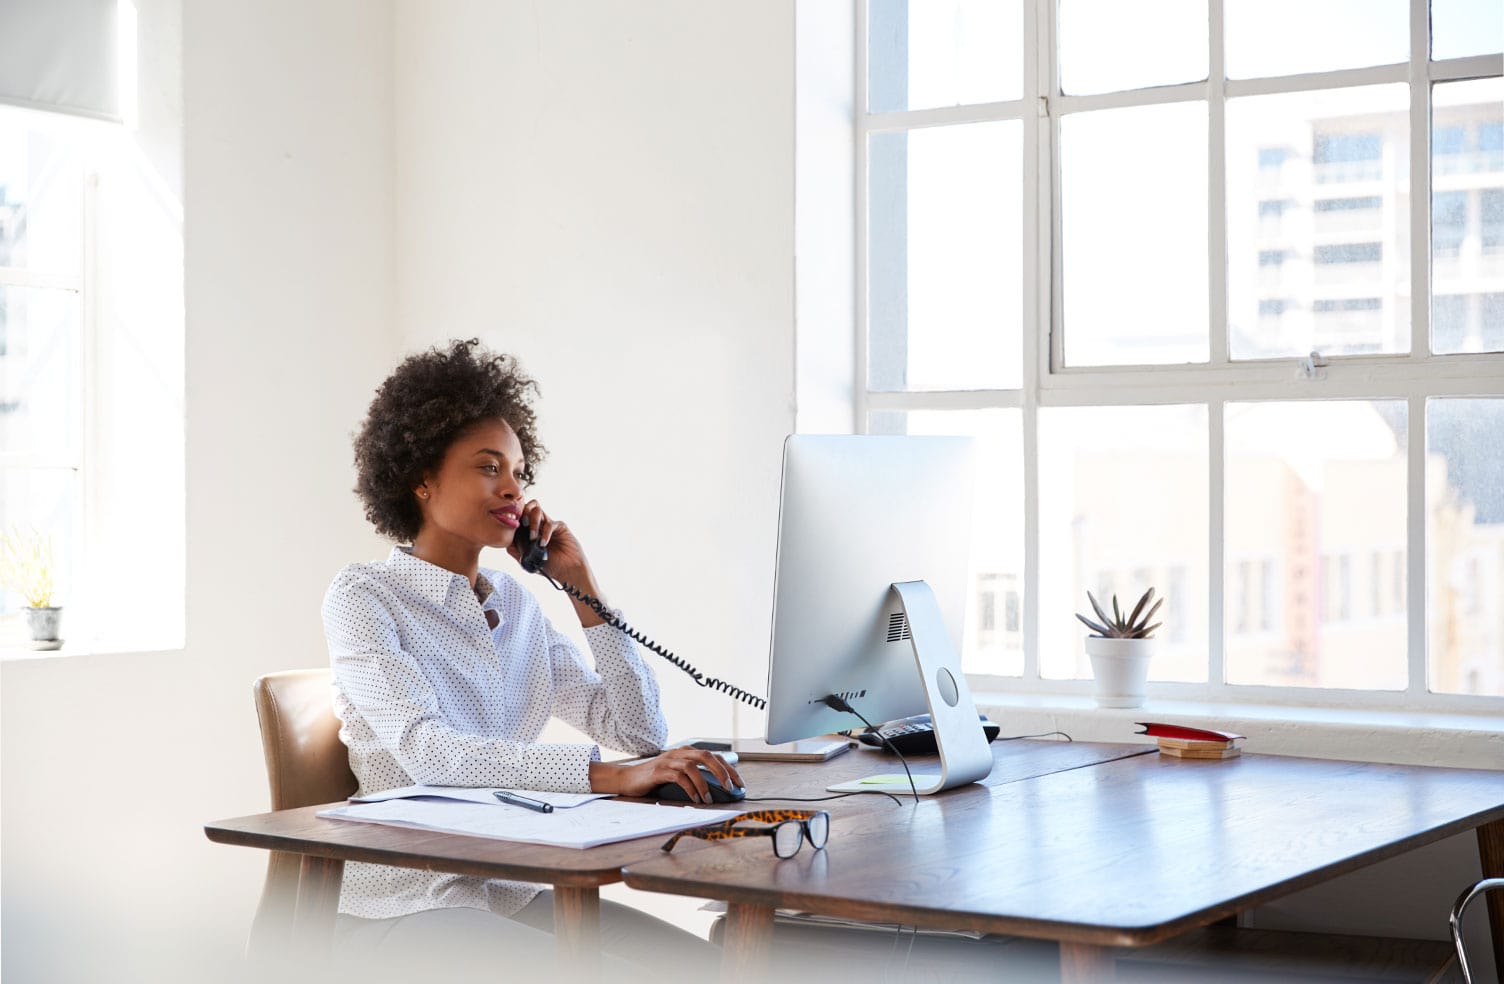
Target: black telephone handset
(535, 555)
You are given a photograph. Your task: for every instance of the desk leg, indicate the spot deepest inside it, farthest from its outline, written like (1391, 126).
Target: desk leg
(317, 903)
(1491, 861)
(1086, 963)
(749, 937)
(577, 929)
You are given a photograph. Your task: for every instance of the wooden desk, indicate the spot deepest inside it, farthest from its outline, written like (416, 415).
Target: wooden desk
(1125, 853)
(576, 876)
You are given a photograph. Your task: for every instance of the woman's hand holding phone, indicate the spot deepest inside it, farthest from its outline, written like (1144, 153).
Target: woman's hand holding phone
(565, 558)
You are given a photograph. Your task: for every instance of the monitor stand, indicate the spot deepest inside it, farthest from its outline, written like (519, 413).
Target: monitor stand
(964, 753)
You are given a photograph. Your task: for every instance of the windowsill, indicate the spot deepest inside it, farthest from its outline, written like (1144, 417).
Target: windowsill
(1407, 737)
(16, 651)
(87, 637)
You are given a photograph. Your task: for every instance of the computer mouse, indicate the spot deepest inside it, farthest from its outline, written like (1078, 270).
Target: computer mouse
(674, 793)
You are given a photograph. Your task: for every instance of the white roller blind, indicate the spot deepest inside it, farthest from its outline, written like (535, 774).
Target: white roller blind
(60, 55)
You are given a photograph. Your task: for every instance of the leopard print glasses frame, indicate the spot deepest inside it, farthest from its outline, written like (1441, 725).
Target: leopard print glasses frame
(789, 830)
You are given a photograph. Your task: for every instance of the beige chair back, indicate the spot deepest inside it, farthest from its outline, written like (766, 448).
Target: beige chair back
(306, 764)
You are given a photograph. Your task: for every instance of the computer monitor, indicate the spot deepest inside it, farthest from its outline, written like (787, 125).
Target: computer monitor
(870, 587)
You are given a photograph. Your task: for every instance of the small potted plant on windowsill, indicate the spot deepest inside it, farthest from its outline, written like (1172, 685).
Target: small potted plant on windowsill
(1120, 648)
(26, 568)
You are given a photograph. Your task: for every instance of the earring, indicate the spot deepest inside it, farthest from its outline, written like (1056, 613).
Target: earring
(424, 493)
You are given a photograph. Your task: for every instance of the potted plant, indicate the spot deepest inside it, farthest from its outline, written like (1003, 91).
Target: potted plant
(26, 568)
(1120, 648)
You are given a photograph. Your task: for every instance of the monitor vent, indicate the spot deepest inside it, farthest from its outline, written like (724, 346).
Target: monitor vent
(898, 627)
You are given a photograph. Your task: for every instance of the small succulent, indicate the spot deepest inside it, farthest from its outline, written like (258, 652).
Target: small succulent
(26, 564)
(1134, 626)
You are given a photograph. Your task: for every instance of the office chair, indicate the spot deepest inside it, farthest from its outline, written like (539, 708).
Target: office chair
(306, 764)
(1463, 901)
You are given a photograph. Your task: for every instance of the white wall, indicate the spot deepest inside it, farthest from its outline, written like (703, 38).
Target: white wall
(606, 190)
(112, 763)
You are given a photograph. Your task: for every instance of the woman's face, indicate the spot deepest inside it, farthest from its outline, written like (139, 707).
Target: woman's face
(476, 495)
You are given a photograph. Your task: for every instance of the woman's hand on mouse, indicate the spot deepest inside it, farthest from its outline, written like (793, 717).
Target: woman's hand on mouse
(680, 766)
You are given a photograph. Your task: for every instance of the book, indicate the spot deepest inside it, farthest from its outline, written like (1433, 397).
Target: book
(1156, 729)
(1192, 743)
(1200, 753)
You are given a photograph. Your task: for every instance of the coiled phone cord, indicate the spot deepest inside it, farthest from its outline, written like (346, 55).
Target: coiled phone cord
(615, 620)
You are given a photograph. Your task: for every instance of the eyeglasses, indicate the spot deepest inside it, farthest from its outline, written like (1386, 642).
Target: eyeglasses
(790, 828)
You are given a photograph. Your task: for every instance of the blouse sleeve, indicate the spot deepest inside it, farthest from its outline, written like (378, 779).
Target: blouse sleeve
(616, 703)
(385, 686)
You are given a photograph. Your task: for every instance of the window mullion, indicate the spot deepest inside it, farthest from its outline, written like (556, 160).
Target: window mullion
(1415, 552)
(859, 211)
(1420, 179)
(1418, 676)
(90, 493)
(1216, 187)
(1216, 554)
(1037, 169)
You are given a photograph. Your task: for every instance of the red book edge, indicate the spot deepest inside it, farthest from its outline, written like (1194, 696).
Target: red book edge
(1159, 730)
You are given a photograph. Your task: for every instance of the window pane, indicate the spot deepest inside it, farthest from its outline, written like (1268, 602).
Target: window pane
(1465, 546)
(1107, 45)
(944, 283)
(40, 200)
(943, 53)
(1122, 507)
(992, 640)
(1337, 254)
(1288, 37)
(47, 500)
(40, 411)
(1133, 198)
(1467, 216)
(1465, 27)
(1316, 491)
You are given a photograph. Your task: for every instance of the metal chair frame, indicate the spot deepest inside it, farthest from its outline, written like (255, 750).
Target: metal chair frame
(1463, 901)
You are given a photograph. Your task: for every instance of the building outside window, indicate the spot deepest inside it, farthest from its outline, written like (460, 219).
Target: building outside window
(1137, 328)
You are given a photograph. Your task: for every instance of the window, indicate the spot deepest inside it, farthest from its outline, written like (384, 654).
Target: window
(1491, 212)
(1348, 204)
(1349, 304)
(1272, 158)
(1115, 227)
(1349, 253)
(1448, 223)
(44, 228)
(91, 392)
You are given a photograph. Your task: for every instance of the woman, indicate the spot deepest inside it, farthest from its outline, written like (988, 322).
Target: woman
(446, 672)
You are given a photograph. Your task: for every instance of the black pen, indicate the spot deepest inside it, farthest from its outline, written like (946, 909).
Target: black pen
(523, 801)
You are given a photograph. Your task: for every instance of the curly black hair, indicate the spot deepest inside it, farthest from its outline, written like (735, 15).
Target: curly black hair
(420, 410)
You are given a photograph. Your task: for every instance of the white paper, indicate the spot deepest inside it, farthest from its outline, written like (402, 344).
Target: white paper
(481, 794)
(593, 824)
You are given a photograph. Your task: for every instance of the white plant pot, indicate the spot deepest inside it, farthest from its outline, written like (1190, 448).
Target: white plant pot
(1121, 669)
(45, 625)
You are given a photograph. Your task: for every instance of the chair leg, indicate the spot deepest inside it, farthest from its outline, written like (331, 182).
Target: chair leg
(1459, 910)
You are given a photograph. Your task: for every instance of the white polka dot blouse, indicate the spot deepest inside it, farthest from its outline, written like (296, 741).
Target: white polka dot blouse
(428, 692)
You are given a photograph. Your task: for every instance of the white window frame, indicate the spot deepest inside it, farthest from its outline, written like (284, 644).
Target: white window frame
(80, 458)
(1046, 382)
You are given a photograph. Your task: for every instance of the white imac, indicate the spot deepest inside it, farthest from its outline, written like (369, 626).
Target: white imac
(870, 586)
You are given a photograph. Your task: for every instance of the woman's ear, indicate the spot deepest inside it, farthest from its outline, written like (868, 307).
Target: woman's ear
(421, 491)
